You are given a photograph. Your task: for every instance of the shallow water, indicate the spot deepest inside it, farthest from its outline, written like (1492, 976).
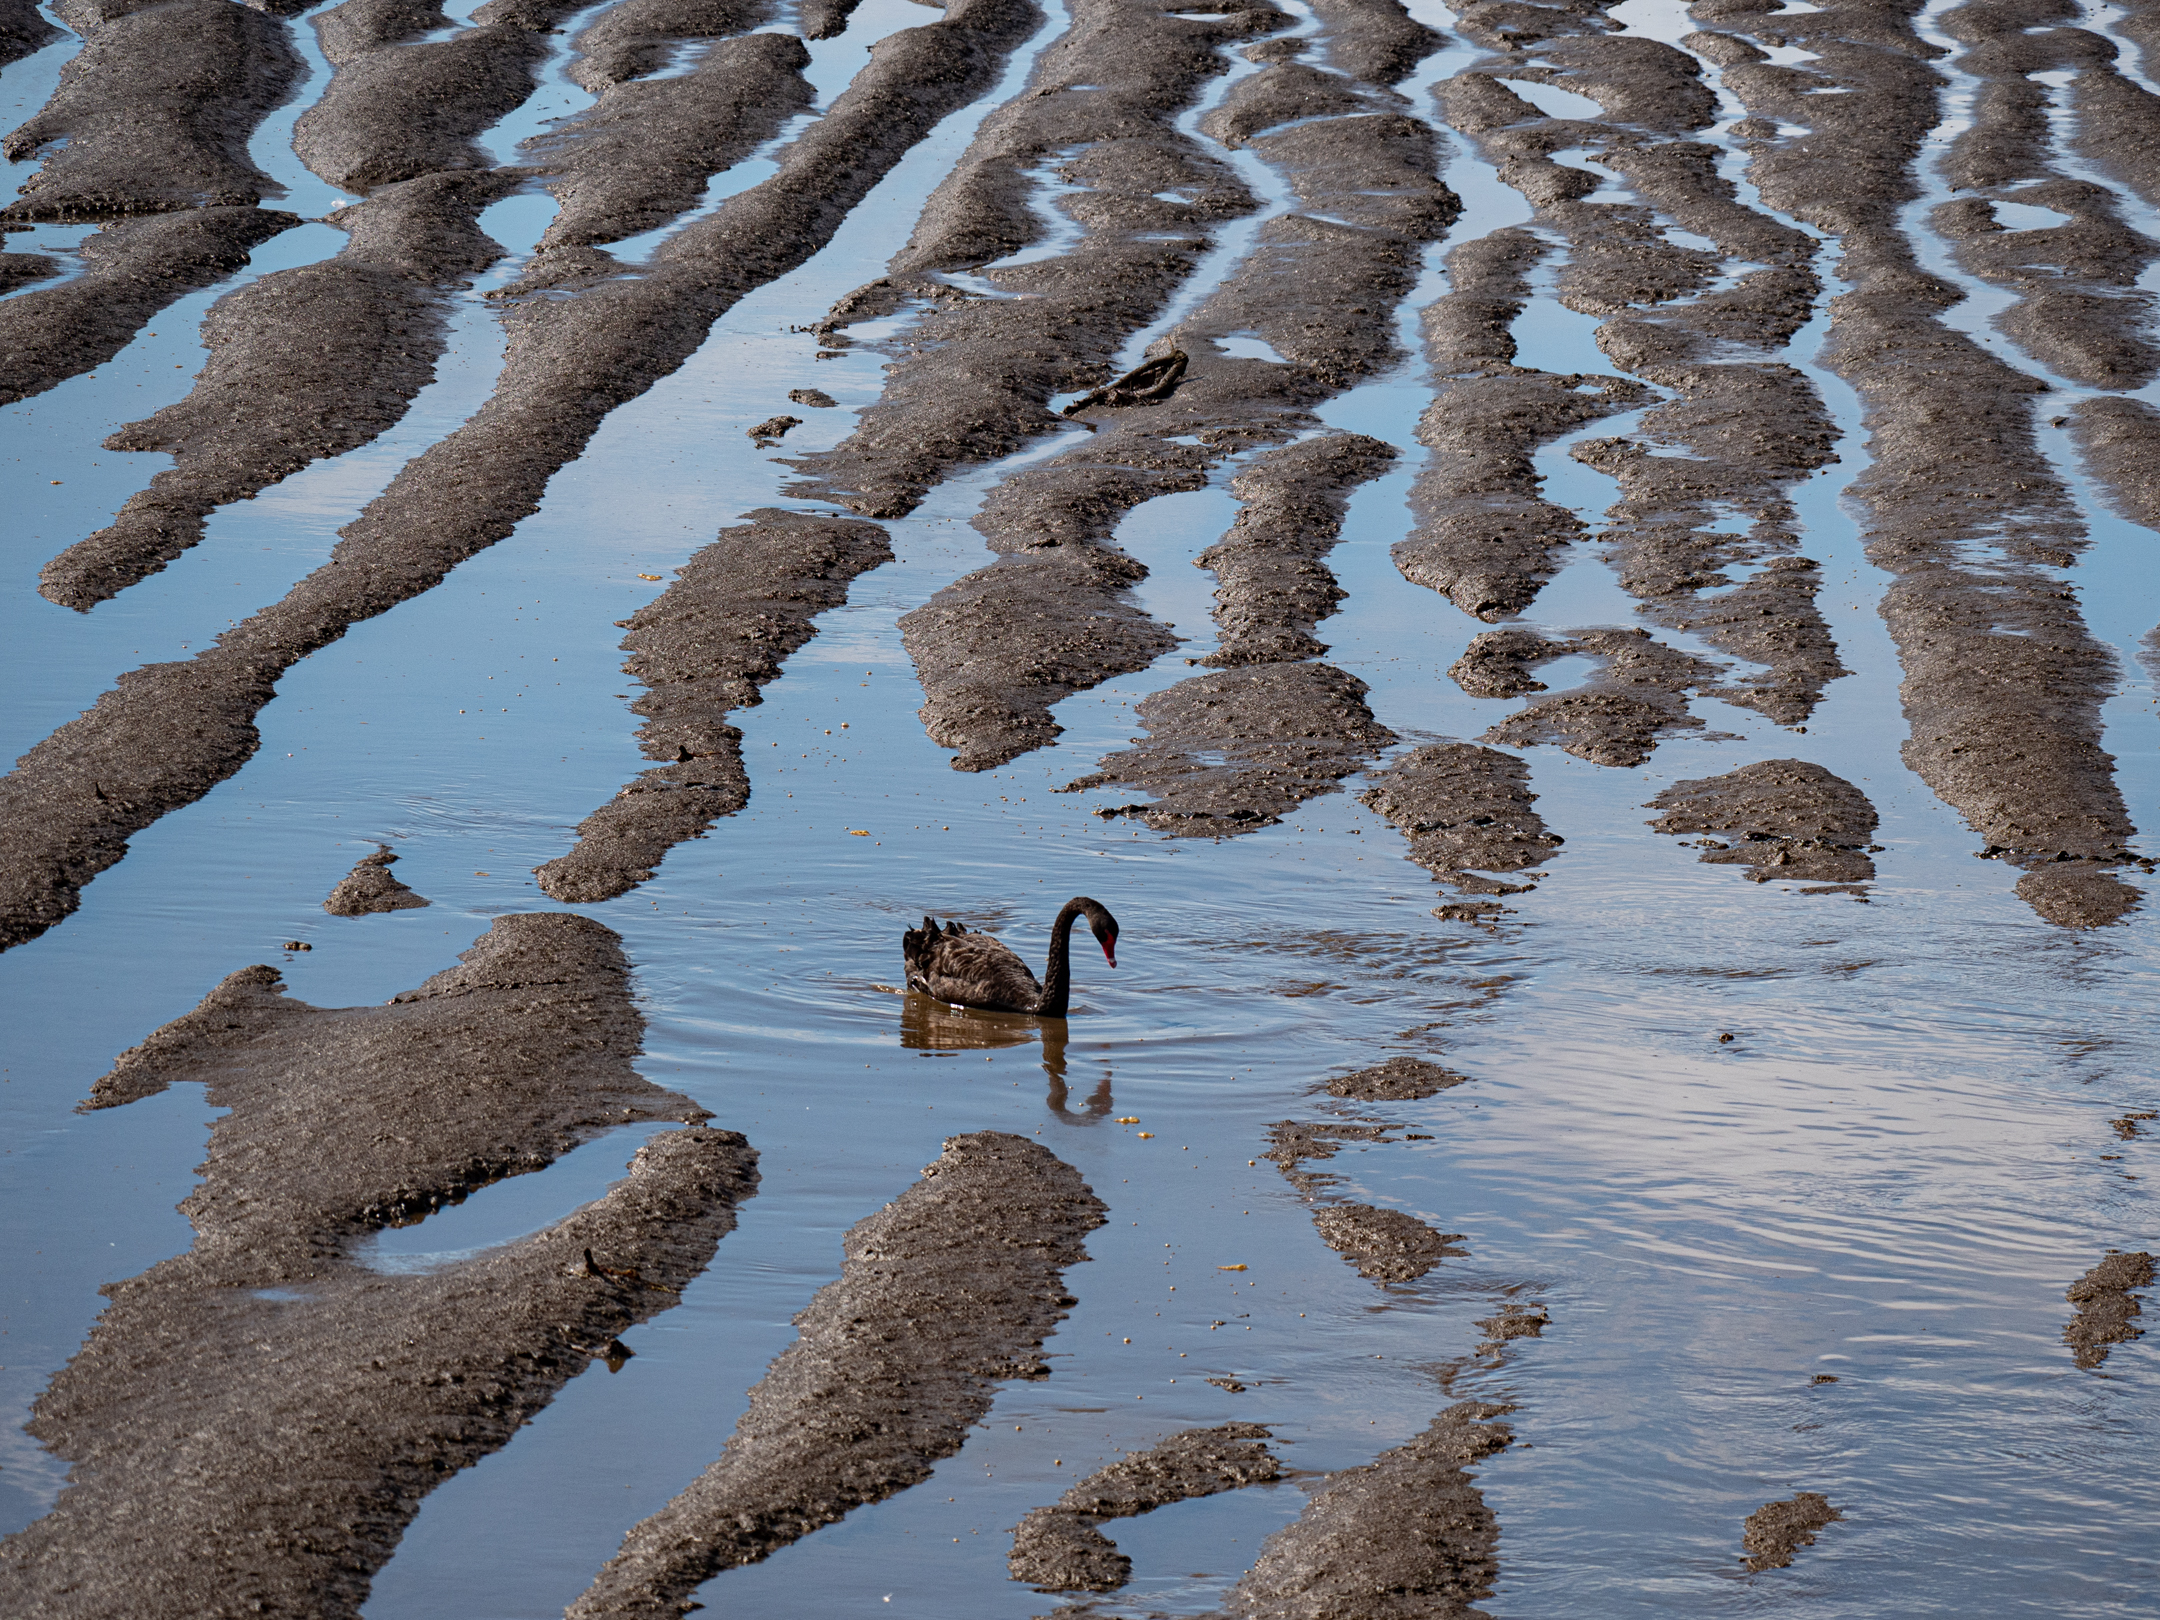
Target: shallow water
(1889, 1174)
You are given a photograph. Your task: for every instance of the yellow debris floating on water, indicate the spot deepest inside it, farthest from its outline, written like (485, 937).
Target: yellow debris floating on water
(648, 576)
(1233, 1268)
(858, 832)
(1146, 1135)
(1128, 1119)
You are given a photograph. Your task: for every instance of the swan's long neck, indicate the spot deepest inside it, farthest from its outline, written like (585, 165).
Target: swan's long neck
(1057, 972)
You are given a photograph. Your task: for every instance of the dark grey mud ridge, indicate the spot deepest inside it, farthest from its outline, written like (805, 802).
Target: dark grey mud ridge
(2002, 684)
(266, 1410)
(1178, 247)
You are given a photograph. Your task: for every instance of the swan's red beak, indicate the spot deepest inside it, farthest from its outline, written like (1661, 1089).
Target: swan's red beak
(1109, 950)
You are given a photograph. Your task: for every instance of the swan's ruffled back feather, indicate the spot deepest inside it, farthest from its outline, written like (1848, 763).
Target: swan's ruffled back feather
(972, 970)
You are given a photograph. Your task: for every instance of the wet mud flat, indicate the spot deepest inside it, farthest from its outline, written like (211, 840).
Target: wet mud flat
(1628, 442)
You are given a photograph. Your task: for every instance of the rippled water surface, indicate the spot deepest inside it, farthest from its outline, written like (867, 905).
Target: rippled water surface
(1889, 1173)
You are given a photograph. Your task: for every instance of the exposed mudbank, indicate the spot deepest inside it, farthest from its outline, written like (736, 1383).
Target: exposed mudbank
(1638, 695)
(640, 37)
(1273, 585)
(265, 1411)
(131, 270)
(1406, 1535)
(304, 364)
(1293, 1143)
(1794, 822)
(1514, 1321)
(2079, 311)
(369, 889)
(399, 107)
(1059, 1549)
(2119, 442)
(948, 1290)
(1279, 734)
(2003, 682)
(1777, 1530)
(23, 29)
(1317, 288)
(975, 378)
(154, 113)
(703, 648)
(1232, 752)
(645, 153)
(1484, 536)
(1467, 812)
(1398, 1079)
(1385, 1245)
(2107, 1306)
(170, 732)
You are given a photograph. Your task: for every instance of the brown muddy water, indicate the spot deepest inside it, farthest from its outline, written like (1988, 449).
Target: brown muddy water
(1756, 1162)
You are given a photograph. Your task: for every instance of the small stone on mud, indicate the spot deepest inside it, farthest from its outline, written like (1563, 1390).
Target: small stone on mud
(816, 398)
(772, 429)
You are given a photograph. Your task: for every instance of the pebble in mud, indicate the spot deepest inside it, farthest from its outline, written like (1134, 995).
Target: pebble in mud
(1386, 1245)
(948, 1290)
(1793, 821)
(1777, 1530)
(370, 888)
(816, 398)
(1405, 1537)
(772, 430)
(1059, 1549)
(702, 649)
(268, 1339)
(2107, 1306)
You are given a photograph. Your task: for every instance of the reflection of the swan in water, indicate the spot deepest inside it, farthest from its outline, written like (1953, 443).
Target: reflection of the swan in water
(929, 1025)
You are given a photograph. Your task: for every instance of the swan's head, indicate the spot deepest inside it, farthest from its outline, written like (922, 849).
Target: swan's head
(1100, 923)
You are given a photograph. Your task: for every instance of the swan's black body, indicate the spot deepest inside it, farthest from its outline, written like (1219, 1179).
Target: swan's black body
(978, 970)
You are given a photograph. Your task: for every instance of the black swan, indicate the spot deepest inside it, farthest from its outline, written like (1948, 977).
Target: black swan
(978, 970)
